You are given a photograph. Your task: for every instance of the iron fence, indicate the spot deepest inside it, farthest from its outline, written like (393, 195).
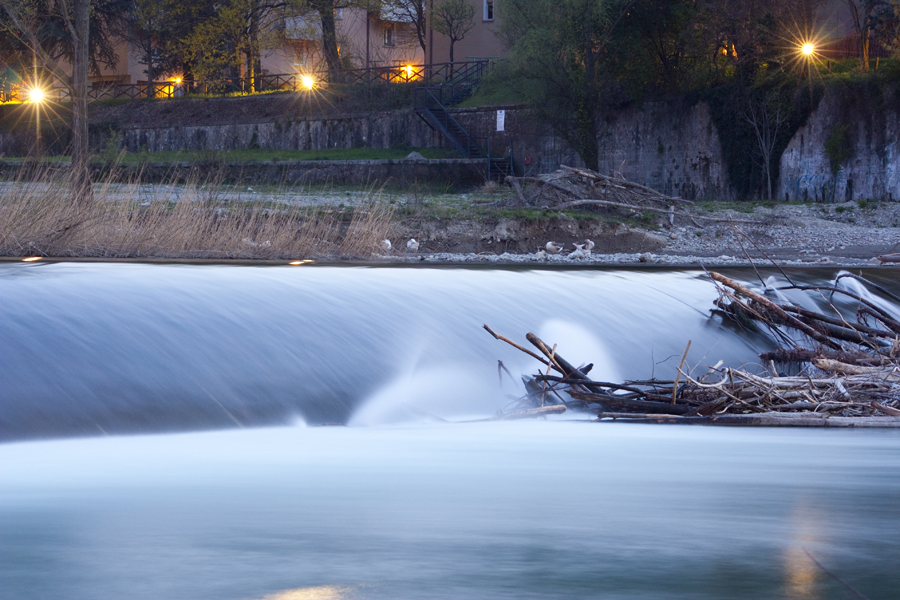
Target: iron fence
(433, 74)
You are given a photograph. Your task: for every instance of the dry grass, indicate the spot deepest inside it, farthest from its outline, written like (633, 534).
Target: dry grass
(37, 217)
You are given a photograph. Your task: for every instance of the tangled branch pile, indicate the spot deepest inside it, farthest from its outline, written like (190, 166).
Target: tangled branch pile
(570, 187)
(852, 371)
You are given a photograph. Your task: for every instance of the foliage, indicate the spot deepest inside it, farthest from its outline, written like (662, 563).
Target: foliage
(664, 46)
(838, 148)
(44, 19)
(729, 105)
(555, 64)
(153, 27)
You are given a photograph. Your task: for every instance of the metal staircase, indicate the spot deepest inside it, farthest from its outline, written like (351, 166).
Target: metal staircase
(435, 114)
(431, 105)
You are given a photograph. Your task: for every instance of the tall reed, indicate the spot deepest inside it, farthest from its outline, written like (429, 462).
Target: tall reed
(206, 220)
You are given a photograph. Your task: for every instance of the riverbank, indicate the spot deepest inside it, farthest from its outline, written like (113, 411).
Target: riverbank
(848, 234)
(484, 226)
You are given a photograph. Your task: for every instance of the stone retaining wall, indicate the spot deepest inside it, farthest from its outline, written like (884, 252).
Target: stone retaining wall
(452, 172)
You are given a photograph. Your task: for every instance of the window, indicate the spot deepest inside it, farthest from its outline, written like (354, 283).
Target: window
(339, 13)
(488, 10)
(389, 35)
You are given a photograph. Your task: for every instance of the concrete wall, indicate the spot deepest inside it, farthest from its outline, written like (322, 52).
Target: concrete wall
(873, 169)
(534, 146)
(671, 147)
(372, 130)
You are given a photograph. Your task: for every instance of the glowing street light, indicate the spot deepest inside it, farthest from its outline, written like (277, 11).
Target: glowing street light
(307, 82)
(36, 95)
(808, 49)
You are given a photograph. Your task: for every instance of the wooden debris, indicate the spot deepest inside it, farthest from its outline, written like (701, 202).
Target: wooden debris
(851, 377)
(571, 187)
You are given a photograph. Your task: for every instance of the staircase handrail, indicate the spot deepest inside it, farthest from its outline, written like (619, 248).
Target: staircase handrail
(426, 102)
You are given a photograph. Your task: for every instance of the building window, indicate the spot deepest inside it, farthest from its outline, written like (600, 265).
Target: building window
(389, 35)
(488, 10)
(339, 13)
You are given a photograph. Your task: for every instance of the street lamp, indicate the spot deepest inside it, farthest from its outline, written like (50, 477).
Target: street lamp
(36, 95)
(808, 49)
(307, 82)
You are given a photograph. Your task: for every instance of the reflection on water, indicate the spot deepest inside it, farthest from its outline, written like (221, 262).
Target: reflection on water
(321, 592)
(802, 576)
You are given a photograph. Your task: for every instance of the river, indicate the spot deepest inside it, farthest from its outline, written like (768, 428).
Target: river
(161, 441)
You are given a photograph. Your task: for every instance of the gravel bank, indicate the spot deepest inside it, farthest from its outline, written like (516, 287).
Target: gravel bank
(850, 235)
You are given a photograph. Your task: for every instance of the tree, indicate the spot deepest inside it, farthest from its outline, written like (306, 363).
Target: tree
(453, 18)
(326, 9)
(766, 116)
(555, 63)
(412, 11)
(663, 46)
(27, 18)
(151, 28)
(859, 14)
(230, 37)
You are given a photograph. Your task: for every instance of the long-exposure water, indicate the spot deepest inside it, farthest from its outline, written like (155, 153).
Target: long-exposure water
(252, 500)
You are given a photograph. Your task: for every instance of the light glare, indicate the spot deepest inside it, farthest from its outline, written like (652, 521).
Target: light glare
(308, 82)
(36, 95)
(31, 259)
(808, 49)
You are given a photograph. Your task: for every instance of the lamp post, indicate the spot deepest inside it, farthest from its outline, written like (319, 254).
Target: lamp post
(36, 96)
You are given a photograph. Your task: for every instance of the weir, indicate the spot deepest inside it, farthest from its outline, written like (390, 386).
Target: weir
(94, 349)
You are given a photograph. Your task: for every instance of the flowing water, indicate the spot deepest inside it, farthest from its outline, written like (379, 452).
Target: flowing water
(158, 422)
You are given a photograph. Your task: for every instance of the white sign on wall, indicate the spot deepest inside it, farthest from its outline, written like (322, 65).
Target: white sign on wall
(501, 120)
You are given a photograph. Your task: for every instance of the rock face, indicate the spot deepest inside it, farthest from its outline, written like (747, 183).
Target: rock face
(670, 147)
(867, 136)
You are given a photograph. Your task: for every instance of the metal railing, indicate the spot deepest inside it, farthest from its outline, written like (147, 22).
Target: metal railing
(435, 113)
(435, 74)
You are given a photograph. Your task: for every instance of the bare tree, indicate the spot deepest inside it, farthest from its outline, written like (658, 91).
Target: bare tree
(766, 117)
(453, 18)
(25, 18)
(412, 11)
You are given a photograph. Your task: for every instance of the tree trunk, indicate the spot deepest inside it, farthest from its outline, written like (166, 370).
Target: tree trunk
(452, 41)
(862, 33)
(864, 44)
(151, 72)
(329, 38)
(81, 180)
(587, 113)
(252, 35)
